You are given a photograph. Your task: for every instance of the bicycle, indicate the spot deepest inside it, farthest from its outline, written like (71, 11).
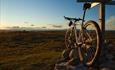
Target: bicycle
(86, 39)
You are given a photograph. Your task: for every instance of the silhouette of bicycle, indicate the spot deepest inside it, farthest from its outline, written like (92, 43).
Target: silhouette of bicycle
(85, 39)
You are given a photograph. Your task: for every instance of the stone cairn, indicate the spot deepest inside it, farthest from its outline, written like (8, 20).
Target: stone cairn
(70, 61)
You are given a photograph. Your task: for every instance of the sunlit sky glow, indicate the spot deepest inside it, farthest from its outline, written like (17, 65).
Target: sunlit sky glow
(47, 13)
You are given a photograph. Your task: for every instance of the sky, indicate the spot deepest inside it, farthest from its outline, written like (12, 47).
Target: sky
(47, 13)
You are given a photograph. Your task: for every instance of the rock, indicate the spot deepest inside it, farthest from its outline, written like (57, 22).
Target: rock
(104, 69)
(105, 62)
(91, 68)
(109, 56)
(81, 67)
(65, 53)
(107, 65)
(63, 66)
(69, 67)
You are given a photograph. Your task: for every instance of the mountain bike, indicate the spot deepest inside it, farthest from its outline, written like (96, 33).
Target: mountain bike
(85, 38)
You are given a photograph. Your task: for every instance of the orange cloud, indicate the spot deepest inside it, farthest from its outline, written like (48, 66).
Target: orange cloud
(110, 23)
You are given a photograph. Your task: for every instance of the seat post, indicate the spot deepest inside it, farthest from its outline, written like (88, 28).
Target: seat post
(85, 7)
(83, 17)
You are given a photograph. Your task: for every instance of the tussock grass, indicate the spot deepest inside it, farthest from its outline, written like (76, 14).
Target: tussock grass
(33, 50)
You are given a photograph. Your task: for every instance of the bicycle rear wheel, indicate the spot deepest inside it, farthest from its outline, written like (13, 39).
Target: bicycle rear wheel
(90, 48)
(70, 38)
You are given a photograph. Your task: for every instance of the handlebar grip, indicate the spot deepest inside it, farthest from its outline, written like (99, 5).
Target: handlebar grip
(67, 18)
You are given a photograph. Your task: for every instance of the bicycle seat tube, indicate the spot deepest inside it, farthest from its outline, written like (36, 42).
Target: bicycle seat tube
(83, 18)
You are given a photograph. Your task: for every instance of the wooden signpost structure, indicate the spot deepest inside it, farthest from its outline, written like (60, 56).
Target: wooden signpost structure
(102, 4)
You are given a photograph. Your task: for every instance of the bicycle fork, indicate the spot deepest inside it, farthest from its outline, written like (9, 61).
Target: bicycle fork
(79, 38)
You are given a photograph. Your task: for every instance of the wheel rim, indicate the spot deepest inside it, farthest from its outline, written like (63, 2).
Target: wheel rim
(90, 46)
(69, 38)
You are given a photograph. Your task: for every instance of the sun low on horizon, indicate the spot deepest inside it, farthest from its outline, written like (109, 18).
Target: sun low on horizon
(47, 14)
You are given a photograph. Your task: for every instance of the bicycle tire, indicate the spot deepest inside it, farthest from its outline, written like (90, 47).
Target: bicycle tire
(96, 53)
(69, 38)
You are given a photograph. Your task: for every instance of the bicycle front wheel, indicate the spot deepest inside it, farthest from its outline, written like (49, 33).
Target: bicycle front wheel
(91, 43)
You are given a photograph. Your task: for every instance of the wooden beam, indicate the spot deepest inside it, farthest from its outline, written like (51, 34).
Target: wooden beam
(87, 0)
(93, 1)
(107, 2)
(110, 3)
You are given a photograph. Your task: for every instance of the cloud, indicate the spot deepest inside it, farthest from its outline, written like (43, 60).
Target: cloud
(15, 27)
(44, 27)
(26, 22)
(56, 26)
(32, 25)
(110, 23)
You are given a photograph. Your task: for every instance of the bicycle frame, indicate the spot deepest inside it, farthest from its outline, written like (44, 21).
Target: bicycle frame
(81, 29)
(83, 41)
(83, 17)
(80, 35)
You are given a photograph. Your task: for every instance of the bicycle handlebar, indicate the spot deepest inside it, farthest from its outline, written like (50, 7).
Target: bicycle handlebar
(71, 19)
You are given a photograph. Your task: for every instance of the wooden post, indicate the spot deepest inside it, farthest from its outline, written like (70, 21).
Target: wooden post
(102, 20)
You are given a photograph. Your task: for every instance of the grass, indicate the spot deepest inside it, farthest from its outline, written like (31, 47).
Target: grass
(33, 50)
(30, 50)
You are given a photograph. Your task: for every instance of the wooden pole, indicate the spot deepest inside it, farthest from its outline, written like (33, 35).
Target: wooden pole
(102, 16)
(102, 20)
